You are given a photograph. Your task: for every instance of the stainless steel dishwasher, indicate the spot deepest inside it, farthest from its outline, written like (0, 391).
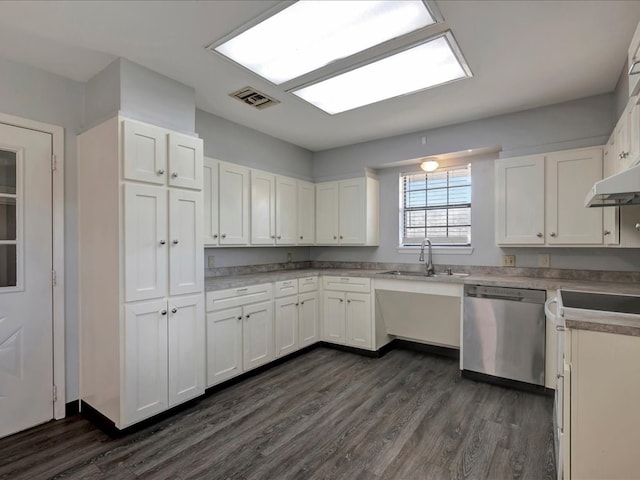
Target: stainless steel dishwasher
(504, 333)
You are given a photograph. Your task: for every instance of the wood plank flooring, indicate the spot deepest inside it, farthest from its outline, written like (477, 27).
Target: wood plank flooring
(323, 415)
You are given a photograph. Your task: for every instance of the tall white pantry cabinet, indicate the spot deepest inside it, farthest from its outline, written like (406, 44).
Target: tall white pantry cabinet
(142, 322)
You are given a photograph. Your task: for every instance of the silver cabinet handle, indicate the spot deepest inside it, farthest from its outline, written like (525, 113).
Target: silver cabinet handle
(163, 242)
(348, 301)
(160, 172)
(224, 235)
(606, 232)
(301, 237)
(248, 316)
(638, 227)
(175, 242)
(297, 304)
(539, 234)
(273, 237)
(341, 237)
(341, 300)
(553, 234)
(163, 312)
(174, 174)
(240, 317)
(215, 235)
(174, 310)
(623, 155)
(301, 303)
(279, 237)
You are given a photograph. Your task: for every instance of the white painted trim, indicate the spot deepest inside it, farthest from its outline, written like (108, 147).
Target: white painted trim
(57, 179)
(438, 250)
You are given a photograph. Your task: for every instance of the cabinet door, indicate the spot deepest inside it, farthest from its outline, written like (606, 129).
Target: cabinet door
(286, 211)
(210, 194)
(352, 212)
(263, 198)
(333, 316)
(520, 200)
(234, 204)
(610, 215)
(145, 242)
(186, 253)
(286, 322)
(145, 360)
(144, 153)
(327, 213)
(257, 335)
(185, 161)
(308, 324)
(224, 345)
(622, 142)
(358, 316)
(186, 329)
(306, 213)
(569, 177)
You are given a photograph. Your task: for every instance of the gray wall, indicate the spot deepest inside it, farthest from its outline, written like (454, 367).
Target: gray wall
(38, 95)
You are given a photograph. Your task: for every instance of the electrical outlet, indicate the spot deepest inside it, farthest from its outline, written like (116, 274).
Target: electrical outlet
(543, 260)
(289, 257)
(211, 261)
(508, 260)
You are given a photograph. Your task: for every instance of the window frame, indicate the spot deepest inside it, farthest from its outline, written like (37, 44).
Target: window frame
(450, 247)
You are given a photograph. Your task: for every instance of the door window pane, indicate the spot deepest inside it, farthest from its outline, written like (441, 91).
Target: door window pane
(8, 266)
(8, 172)
(7, 218)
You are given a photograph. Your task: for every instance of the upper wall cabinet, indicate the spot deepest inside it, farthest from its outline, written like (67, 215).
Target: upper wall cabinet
(274, 209)
(347, 212)
(306, 213)
(540, 199)
(233, 204)
(154, 155)
(634, 57)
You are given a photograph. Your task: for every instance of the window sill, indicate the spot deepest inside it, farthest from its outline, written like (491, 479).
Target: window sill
(438, 250)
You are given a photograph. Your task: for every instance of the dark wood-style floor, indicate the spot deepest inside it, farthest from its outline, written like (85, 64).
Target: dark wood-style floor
(323, 415)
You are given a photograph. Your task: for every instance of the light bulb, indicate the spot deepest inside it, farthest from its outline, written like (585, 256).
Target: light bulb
(429, 165)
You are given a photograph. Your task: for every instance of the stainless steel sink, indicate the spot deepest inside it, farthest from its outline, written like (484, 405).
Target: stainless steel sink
(423, 274)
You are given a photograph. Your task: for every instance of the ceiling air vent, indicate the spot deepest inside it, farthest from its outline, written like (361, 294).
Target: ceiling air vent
(253, 97)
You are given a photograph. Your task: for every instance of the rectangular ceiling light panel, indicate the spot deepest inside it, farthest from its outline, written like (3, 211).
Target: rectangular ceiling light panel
(423, 66)
(311, 34)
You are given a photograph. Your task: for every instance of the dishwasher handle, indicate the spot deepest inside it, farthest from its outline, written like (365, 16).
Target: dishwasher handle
(508, 294)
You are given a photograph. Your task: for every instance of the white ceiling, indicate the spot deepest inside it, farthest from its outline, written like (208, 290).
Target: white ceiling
(523, 54)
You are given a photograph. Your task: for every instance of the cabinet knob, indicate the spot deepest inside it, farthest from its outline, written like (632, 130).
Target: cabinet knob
(279, 237)
(215, 235)
(174, 310)
(606, 232)
(553, 234)
(301, 237)
(248, 316)
(297, 304)
(163, 242)
(341, 300)
(224, 235)
(335, 238)
(160, 172)
(623, 155)
(240, 317)
(348, 301)
(638, 227)
(163, 312)
(341, 237)
(273, 237)
(174, 174)
(301, 303)
(539, 234)
(175, 242)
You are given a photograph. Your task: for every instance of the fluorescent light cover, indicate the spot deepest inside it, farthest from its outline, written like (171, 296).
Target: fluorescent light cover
(311, 34)
(429, 165)
(429, 64)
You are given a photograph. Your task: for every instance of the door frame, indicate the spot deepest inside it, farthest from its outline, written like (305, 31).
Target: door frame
(57, 218)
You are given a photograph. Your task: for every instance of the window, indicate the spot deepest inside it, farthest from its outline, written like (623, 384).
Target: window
(436, 205)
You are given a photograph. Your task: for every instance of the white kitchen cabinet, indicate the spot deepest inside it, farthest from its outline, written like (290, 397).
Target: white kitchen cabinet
(296, 314)
(233, 204)
(257, 335)
(540, 199)
(308, 319)
(141, 269)
(263, 212)
(306, 213)
(633, 56)
(610, 215)
(347, 212)
(286, 325)
(286, 211)
(210, 188)
(224, 345)
(348, 312)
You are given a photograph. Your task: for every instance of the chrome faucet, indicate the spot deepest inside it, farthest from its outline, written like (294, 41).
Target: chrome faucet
(429, 270)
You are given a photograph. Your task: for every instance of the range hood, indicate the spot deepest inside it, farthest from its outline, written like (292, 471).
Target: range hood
(617, 190)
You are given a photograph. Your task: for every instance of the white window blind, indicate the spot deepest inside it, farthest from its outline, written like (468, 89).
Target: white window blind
(436, 205)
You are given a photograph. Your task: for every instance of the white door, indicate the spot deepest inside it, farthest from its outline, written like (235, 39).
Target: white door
(145, 152)
(146, 244)
(257, 335)
(327, 213)
(358, 319)
(186, 252)
(145, 360)
(306, 213)
(286, 211)
(334, 317)
(210, 193)
(185, 161)
(286, 320)
(352, 212)
(234, 204)
(186, 348)
(224, 345)
(26, 322)
(308, 319)
(263, 212)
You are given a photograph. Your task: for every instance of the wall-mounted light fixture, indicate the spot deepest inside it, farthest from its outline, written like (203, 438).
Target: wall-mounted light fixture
(429, 165)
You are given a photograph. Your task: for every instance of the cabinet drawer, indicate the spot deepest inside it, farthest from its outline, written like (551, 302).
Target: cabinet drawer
(236, 297)
(286, 287)
(307, 284)
(347, 284)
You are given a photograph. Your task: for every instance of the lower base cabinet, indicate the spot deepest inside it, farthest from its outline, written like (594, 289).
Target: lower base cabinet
(296, 314)
(257, 335)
